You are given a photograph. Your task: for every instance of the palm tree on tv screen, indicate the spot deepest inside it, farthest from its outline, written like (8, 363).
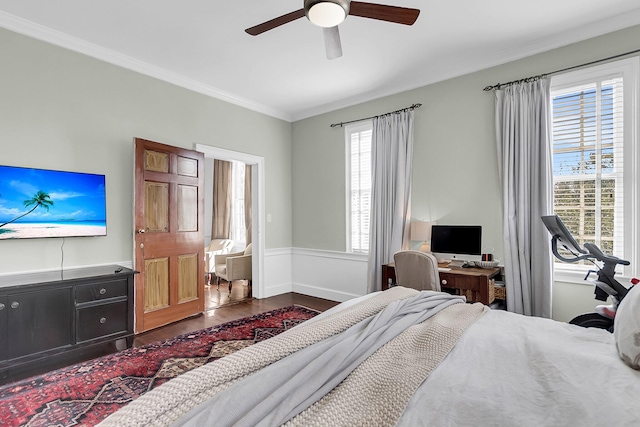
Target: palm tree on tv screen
(40, 199)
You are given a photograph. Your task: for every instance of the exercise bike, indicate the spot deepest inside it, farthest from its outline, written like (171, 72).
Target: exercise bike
(606, 286)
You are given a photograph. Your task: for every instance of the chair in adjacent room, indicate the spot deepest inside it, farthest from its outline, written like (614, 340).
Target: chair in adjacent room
(417, 270)
(216, 247)
(233, 266)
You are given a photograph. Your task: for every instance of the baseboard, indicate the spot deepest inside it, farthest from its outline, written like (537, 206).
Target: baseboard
(273, 290)
(330, 294)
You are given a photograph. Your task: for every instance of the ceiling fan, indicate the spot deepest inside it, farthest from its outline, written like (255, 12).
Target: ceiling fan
(329, 13)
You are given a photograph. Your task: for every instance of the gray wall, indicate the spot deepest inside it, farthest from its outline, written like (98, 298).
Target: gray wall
(455, 176)
(63, 110)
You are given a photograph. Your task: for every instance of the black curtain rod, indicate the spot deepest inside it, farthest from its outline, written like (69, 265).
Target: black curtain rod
(413, 107)
(534, 78)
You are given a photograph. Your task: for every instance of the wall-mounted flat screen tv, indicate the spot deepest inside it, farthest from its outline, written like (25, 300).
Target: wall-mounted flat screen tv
(36, 203)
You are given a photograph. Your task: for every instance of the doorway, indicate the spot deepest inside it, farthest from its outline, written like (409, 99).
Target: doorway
(257, 221)
(227, 232)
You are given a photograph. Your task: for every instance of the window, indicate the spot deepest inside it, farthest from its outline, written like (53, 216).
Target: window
(358, 167)
(594, 144)
(238, 229)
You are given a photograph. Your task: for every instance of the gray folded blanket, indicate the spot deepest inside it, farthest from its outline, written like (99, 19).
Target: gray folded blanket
(277, 391)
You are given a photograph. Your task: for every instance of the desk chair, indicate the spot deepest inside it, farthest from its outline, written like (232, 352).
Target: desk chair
(417, 270)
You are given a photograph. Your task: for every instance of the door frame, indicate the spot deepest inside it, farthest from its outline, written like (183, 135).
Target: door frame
(257, 205)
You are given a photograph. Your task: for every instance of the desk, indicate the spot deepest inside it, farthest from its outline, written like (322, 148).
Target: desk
(477, 284)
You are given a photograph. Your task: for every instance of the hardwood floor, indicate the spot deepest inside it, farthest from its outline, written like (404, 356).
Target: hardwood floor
(234, 311)
(215, 296)
(239, 304)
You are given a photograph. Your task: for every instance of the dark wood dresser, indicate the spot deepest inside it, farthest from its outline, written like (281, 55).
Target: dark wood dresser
(53, 317)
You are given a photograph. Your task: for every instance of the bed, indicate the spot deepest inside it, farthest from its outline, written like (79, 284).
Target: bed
(408, 358)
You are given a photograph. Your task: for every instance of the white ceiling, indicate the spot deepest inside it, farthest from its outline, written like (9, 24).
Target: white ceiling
(201, 44)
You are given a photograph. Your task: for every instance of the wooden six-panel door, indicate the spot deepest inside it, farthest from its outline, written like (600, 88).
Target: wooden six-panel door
(169, 234)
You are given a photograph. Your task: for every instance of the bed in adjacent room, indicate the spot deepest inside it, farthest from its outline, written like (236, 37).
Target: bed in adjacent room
(409, 358)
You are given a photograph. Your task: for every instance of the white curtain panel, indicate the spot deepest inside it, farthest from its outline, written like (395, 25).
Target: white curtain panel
(525, 168)
(391, 160)
(221, 221)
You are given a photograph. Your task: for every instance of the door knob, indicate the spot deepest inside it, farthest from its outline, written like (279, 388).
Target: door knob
(15, 304)
(140, 230)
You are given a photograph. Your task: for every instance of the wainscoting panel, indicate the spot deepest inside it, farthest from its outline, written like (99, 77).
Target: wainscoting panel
(278, 271)
(337, 276)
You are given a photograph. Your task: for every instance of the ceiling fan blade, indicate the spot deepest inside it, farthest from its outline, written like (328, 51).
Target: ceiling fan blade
(381, 12)
(332, 42)
(275, 22)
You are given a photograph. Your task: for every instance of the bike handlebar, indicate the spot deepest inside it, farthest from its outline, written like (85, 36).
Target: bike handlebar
(606, 285)
(600, 256)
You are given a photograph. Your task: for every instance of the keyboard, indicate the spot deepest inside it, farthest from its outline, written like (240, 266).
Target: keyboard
(444, 269)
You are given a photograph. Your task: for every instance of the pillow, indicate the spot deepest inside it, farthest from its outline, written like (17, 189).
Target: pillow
(626, 328)
(248, 250)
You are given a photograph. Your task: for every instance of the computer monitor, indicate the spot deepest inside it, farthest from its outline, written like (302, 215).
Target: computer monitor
(458, 243)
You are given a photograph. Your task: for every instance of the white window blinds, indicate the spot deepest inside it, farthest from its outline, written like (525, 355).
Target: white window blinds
(359, 187)
(238, 228)
(588, 148)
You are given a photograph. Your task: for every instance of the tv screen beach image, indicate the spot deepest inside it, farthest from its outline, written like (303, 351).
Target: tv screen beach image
(36, 203)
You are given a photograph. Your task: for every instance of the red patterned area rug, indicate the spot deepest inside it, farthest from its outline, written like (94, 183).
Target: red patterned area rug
(86, 393)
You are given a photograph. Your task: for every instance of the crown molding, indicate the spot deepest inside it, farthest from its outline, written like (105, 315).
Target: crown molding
(468, 65)
(57, 38)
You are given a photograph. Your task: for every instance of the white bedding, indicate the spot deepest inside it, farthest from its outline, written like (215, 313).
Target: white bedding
(512, 370)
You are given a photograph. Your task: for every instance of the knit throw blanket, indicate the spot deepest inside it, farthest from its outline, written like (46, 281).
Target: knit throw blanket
(377, 390)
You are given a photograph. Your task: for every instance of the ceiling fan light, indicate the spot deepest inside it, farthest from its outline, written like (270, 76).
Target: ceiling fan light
(326, 13)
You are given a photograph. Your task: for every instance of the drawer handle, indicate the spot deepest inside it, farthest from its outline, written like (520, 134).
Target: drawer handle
(15, 304)
(103, 320)
(103, 291)
(444, 281)
(1, 306)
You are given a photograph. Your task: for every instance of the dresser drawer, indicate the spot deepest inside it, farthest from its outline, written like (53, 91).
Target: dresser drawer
(101, 320)
(101, 290)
